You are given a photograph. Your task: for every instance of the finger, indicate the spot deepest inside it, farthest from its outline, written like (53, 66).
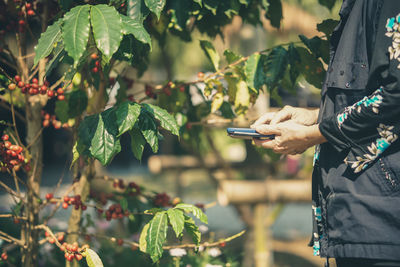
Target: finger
(283, 115)
(267, 129)
(268, 144)
(266, 118)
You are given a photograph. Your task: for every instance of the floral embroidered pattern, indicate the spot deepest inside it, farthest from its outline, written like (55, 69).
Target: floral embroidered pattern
(374, 100)
(393, 31)
(376, 148)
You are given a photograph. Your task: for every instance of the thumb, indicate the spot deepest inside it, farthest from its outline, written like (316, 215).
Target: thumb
(268, 129)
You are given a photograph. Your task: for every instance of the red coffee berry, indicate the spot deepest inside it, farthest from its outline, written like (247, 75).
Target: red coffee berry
(95, 69)
(97, 63)
(182, 88)
(200, 75)
(61, 97)
(4, 256)
(30, 13)
(5, 137)
(65, 205)
(120, 242)
(66, 199)
(28, 6)
(17, 78)
(21, 23)
(78, 257)
(49, 196)
(46, 123)
(50, 93)
(60, 91)
(94, 56)
(35, 81)
(21, 84)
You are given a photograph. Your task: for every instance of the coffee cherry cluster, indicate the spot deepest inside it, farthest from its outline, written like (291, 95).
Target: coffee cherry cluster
(97, 64)
(162, 200)
(114, 212)
(75, 200)
(33, 88)
(4, 256)
(133, 189)
(149, 91)
(51, 119)
(12, 157)
(59, 236)
(72, 251)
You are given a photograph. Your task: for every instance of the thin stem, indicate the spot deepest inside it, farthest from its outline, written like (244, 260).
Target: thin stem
(16, 182)
(11, 239)
(13, 118)
(35, 138)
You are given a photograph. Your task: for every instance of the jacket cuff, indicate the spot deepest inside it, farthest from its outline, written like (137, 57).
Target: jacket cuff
(330, 130)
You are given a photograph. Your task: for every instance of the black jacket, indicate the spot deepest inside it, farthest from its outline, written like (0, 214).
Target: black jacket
(356, 178)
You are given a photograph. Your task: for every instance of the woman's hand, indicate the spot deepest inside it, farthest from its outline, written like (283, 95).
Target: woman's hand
(290, 137)
(299, 115)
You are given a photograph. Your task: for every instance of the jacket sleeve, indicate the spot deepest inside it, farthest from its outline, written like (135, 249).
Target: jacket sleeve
(367, 128)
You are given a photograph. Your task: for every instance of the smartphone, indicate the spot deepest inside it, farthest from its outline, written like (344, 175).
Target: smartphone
(247, 133)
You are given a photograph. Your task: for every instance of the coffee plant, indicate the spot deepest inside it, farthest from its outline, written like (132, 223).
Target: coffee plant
(74, 80)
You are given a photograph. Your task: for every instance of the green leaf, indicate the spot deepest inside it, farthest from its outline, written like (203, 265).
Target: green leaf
(275, 64)
(99, 134)
(105, 145)
(192, 229)
(155, 6)
(167, 121)
(254, 71)
(231, 56)
(107, 29)
(124, 204)
(242, 98)
(47, 41)
(327, 3)
(197, 212)
(200, 2)
(156, 235)
(77, 103)
(92, 259)
(127, 114)
(177, 220)
(294, 59)
(137, 143)
(58, 55)
(327, 26)
(274, 13)
(310, 67)
(210, 52)
(61, 111)
(75, 31)
(217, 101)
(137, 10)
(143, 238)
(130, 26)
(149, 130)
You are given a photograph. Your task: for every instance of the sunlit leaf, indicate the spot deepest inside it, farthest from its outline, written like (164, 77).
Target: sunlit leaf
(107, 29)
(156, 235)
(197, 212)
(75, 31)
(210, 52)
(167, 121)
(127, 114)
(47, 41)
(92, 259)
(155, 6)
(177, 220)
